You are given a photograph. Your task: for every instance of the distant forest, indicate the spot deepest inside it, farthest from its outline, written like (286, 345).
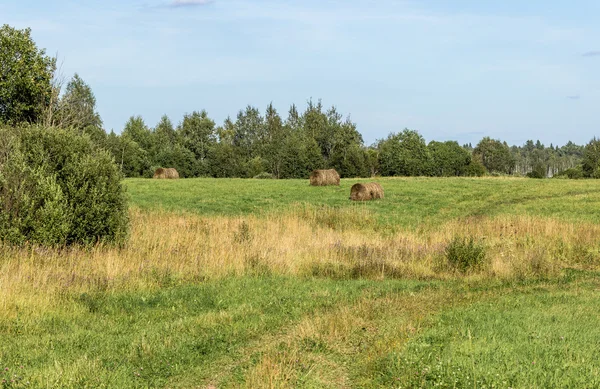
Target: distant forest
(257, 144)
(267, 145)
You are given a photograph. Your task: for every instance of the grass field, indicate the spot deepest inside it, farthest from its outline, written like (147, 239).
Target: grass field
(409, 202)
(272, 283)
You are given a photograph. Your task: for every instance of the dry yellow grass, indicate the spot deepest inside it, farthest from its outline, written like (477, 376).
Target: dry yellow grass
(301, 242)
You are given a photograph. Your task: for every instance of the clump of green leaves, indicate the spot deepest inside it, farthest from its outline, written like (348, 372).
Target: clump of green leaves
(57, 188)
(573, 173)
(465, 254)
(25, 77)
(591, 159)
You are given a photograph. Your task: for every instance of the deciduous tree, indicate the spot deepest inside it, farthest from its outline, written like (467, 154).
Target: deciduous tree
(404, 154)
(494, 155)
(26, 74)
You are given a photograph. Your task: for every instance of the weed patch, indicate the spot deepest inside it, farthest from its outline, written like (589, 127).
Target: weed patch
(465, 255)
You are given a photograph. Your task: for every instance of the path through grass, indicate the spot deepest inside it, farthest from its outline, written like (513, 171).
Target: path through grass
(287, 332)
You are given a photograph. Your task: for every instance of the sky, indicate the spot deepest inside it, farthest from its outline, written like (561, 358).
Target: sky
(453, 70)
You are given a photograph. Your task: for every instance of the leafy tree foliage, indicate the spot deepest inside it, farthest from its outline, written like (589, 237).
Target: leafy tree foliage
(301, 156)
(197, 134)
(341, 145)
(25, 77)
(168, 150)
(448, 159)
(248, 133)
(404, 154)
(494, 155)
(538, 171)
(371, 161)
(256, 144)
(572, 173)
(164, 134)
(133, 148)
(591, 159)
(276, 134)
(533, 159)
(77, 107)
(475, 168)
(58, 188)
(225, 162)
(163, 141)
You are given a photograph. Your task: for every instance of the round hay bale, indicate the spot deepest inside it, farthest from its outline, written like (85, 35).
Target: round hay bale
(159, 173)
(166, 173)
(365, 192)
(324, 177)
(172, 173)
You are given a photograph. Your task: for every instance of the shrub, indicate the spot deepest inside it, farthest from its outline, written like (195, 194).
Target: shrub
(464, 254)
(255, 166)
(573, 173)
(475, 168)
(57, 188)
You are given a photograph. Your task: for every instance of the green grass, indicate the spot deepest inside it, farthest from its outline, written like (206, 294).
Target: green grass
(541, 337)
(540, 334)
(155, 338)
(303, 332)
(409, 202)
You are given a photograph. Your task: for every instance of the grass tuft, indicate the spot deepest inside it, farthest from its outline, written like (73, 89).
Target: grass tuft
(465, 255)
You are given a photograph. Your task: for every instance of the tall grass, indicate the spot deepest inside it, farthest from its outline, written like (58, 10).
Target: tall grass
(168, 249)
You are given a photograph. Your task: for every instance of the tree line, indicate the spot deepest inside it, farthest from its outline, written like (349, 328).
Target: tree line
(260, 144)
(268, 145)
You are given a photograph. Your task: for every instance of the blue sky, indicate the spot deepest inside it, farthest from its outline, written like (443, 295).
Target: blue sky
(452, 70)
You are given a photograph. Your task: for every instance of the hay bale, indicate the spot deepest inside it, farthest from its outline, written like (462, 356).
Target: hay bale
(159, 173)
(172, 173)
(324, 177)
(166, 173)
(365, 192)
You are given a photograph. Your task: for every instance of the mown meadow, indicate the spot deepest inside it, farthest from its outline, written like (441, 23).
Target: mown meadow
(446, 282)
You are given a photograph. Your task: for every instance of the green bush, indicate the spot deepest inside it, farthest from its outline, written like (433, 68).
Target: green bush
(464, 254)
(573, 173)
(475, 168)
(57, 188)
